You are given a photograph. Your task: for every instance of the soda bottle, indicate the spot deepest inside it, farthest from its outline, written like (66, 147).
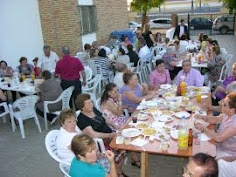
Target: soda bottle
(183, 86)
(190, 137)
(199, 96)
(183, 135)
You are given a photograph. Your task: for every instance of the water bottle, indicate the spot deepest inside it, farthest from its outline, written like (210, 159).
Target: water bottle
(16, 78)
(183, 135)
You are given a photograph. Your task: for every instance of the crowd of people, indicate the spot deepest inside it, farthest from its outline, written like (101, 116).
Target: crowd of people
(123, 90)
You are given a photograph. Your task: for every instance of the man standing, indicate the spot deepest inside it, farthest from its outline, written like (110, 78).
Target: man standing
(181, 29)
(69, 69)
(49, 59)
(144, 52)
(192, 76)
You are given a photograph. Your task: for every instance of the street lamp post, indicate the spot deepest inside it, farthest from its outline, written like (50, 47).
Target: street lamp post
(192, 6)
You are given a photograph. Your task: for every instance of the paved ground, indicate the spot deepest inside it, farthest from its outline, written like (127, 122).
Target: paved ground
(27, 158)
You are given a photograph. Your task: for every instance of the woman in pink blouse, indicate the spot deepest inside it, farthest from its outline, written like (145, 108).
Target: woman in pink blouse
(159, 76)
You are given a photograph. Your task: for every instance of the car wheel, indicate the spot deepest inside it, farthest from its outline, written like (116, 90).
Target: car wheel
(192, 27)
(224, 30)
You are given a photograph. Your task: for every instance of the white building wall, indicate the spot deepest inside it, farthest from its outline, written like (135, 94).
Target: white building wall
(20, 31)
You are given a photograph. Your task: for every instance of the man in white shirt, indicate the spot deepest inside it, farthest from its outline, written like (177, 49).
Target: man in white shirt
(144, 52)
(49, 59)
(181, 29)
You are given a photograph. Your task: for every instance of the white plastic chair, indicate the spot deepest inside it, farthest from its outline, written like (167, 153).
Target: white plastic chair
(98, 104)
(88, 73)
(157, 52)
(140, 72)
(64, 97)
(223, 52)
(6, 111)
(91, 87)
(65, 169)
(26, 107)
(103, 80)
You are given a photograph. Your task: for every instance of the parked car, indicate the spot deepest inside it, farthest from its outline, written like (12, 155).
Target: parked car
(134, 25)
(160, 23)
(200, 23)
(224, 24)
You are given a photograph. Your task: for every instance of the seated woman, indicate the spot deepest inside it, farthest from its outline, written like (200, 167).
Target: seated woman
(178, 50)
(37, 71)
(157, 38)
(84, 163)
(49, 90)
(67, 131)
(226, 134)
(126, 41)
(24, 68)
(93, 124)
(123, 58)
(104, 62)
(118, 79)
(3, 98)
(133, 93)
(171, 62)
(215, 64)
(204, 44)
(220, 91)
(159, 76)
(133, 56)
(6, 70)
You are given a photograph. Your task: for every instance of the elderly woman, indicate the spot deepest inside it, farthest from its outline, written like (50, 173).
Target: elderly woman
(24, 68)
(220, 91)
(5, 70)
(93, 124)
(48, 90)
(171, 62)
(84, 163)
(118, 79)
(178, 50)
(226, 134)
(159, 76)
(215, 64)
(67, 131)
(133, 93)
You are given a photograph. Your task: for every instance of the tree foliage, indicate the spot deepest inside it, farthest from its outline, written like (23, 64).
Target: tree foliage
(230, 4)
(144, 6)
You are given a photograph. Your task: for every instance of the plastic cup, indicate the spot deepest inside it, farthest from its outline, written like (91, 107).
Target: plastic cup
(134, 119)
(164, 145)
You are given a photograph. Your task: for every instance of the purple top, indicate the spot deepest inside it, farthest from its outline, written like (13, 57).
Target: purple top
(136, 91)
(192, 78)
(227, 81)
(157, 78)
(228, 145)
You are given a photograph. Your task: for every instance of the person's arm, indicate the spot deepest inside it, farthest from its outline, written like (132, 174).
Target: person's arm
(2, 96)
(110, 155)
(112, 107)
(168, 79)
(221, 136)
(94, 134)
(144, 88)
(199, 79)
(152, 39)
(133, 98)
(177, 79)
(84, 77)
(110, 123)
(210, 119)
(151, 79)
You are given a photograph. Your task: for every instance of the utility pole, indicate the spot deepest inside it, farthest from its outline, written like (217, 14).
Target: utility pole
(200, 4)
(192, 6)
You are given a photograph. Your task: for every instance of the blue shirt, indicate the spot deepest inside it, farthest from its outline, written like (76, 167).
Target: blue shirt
(79, 168)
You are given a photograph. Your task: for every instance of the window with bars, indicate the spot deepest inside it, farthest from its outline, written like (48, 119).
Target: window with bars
(88, 19)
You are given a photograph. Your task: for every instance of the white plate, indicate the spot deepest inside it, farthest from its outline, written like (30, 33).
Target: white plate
(166, 86)
(162, 136)
(174, 134)
(142, 116)
(204, 96)
(165, 118)
(181, 114)
(205, 88)
(130, 132)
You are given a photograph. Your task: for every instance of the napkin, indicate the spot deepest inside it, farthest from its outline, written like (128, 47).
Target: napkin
(204, 137)
(139, 142)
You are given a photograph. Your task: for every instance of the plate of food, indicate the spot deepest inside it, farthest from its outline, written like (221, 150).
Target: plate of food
(149, 131)
(142, 116)
(152, 110)
(192, 108)
(162, 136)
(165, 118)
(141, 125)
(168, 95)
(192, 88)
(130, 132)
(166, 129)
(182, 114)
(167, 112)
(166, 86)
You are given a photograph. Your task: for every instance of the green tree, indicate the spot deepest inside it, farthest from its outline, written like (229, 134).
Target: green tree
(230, 4)
(144, 6)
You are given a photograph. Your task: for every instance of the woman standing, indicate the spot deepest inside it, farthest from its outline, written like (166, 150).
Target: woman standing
(147, 35)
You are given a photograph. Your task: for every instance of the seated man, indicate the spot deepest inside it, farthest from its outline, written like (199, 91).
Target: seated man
(192, 76)
(227, 166)
(201, 165)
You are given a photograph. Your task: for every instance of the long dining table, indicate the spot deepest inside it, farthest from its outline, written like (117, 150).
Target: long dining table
(154, 147)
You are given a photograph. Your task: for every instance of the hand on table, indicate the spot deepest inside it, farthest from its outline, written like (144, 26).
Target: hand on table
(198, 126)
